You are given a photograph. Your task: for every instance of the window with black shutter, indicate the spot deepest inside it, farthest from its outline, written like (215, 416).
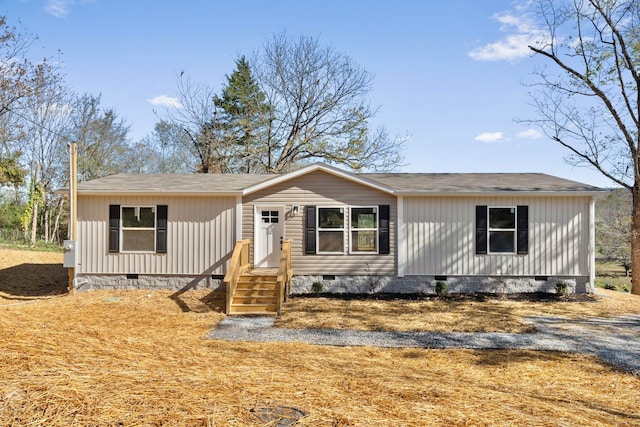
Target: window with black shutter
(330, 231)
(364, 223)
(138, 228)
(502, 229)
(365, 227)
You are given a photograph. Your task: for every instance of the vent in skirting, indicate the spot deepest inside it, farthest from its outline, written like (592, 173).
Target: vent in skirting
(329, 277)
(132, 276)
(440, 278)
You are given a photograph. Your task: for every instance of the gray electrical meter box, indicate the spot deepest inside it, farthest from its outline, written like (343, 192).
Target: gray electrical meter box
(69, 247)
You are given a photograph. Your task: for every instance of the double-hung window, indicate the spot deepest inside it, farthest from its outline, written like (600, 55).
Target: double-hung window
(138, 228)
(364, 229)
(502, 229)
(330, 230)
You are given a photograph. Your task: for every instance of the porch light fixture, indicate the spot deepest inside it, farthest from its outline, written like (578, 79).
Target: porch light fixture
(295, 209)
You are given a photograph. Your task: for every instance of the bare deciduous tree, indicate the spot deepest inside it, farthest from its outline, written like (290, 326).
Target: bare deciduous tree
(16, 71)
(588, 99)
(319, 108)
(200, 121)
(101, 138)
(47, 114)
(18, 80)
(166, 150)
(294, 102)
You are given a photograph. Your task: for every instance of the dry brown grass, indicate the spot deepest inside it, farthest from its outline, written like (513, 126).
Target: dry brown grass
(446, 315)
(138, 359)
(134, 358)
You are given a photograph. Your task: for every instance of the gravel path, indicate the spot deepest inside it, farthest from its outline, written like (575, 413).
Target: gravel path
(614, 340)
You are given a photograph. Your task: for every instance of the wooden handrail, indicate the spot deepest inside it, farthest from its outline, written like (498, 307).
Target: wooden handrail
(239, 263)
(285, 272)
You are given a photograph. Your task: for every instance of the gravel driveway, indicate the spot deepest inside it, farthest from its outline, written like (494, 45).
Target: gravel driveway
(614, 340)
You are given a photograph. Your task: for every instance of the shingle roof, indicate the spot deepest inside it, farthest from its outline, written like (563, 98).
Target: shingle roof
(176, 184)
(408, 183)
(399, 183)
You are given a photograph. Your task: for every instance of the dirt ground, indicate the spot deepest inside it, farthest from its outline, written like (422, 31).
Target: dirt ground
(26, 274)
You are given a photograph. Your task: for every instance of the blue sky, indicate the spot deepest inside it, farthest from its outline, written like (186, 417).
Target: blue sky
(447, 73)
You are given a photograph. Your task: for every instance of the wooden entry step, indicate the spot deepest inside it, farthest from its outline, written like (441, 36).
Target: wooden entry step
(256, 293)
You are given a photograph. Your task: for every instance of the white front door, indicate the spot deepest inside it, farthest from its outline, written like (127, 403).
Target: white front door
(269, 233)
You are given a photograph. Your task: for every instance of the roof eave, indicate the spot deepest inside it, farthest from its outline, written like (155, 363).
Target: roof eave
(502, 193)
(153, 193)
(538, 193)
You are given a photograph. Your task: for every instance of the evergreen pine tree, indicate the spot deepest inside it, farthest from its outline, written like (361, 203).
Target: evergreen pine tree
(245, 113)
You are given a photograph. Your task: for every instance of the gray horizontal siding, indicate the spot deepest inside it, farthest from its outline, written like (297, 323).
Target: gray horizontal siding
(200, 236)
(323, 189)
(440, 237)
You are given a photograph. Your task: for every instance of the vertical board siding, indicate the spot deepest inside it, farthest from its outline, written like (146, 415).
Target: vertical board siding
(323, 189)
(200, 236)
(440, 237)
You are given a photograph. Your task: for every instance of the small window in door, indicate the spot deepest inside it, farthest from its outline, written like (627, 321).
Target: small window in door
(269, 217)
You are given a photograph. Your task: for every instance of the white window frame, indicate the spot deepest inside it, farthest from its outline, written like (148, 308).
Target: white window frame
(319, 230)
(514, 230)
(376, 230)
(123, 228)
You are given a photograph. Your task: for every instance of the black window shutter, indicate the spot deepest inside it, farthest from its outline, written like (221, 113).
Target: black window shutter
(114, 228)
(384, 213)
(481, 229)
(310, 230)
(161, 229)
(522, 232)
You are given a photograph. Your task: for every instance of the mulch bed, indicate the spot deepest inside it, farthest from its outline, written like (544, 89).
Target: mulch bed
(471, 297)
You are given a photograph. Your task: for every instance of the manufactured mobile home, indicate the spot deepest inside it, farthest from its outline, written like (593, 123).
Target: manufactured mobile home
(342, 231)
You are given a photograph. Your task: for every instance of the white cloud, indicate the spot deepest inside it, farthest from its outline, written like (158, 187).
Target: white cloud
(529, 134)
(520, 34)
(60, 8)
(165, 101)
(491, 137)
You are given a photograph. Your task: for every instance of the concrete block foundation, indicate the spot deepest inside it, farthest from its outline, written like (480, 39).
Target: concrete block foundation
(348, 284)
(151, 282)
(427, 284)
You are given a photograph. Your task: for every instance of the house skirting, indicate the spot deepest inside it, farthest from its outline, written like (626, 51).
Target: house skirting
(89, 282)
(345, 284)
(426, 284)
